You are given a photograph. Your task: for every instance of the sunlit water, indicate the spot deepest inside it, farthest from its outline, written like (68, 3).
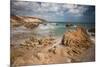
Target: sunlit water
(56, 29)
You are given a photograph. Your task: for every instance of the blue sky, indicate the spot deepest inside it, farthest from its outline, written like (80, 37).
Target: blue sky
(61, 12)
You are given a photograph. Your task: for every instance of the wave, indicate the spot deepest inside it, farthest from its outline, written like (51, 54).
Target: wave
(47, 26)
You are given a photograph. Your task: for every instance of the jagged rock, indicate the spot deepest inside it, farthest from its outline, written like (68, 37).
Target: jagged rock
(34, 42)
(78, 38)
(46, 41)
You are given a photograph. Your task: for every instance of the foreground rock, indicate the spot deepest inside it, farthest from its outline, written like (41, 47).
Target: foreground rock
(34, 42)
(78, 38)
(28, 22)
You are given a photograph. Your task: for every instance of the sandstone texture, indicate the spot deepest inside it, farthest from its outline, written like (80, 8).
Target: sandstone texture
(28, 22)
(77, 38)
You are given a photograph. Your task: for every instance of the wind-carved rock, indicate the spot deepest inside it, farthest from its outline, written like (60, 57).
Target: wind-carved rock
(78, 38)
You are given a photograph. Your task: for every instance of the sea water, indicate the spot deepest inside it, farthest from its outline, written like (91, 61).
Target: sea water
(58, 28)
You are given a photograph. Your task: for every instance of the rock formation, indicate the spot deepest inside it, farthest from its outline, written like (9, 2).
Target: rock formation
(34, 42)
(77, 38)
(28, 22)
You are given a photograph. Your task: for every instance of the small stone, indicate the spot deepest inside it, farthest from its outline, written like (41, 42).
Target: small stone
(40, 56)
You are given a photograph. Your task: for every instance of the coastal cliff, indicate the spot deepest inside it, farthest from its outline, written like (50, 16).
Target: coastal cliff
(26, 21)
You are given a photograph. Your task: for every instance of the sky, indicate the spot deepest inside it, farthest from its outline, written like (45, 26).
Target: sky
(58, 12)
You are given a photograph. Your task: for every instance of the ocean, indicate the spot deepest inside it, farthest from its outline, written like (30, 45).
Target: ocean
(58, 28)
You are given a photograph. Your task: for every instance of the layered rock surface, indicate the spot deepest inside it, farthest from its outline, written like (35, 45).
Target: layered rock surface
(29, 22)
(77, 38)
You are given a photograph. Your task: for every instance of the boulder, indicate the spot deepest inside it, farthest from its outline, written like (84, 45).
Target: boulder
(78, 38)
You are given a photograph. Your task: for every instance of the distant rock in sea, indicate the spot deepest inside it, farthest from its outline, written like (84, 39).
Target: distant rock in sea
(92, 30)
(69, 25)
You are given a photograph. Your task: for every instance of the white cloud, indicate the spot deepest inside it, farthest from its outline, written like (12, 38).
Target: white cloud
(47, 10)
(74, 10)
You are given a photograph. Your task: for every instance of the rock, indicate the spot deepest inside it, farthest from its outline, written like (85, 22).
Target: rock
(74, 52)
(40, 56)
(78, 38)
(46, 41)
(69, 25)
(26, 21)
(31, 25)
(92, 34)
(92, 30)
(34, 42)
(55, 50)
(30, 43)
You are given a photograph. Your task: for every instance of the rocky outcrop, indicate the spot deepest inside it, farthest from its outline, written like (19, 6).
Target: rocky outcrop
(78, 38)
(28, 22)
(34, 42)
(30, 51)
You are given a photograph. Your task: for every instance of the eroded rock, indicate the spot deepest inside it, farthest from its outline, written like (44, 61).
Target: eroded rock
(28, 22)
(78, 38)
(34, 42)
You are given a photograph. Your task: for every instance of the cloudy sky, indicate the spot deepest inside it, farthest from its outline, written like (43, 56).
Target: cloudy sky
(54, 11)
